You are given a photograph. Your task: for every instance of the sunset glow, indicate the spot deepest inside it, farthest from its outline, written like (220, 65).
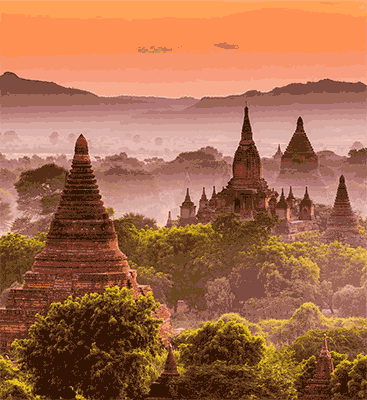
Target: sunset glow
(183, 48)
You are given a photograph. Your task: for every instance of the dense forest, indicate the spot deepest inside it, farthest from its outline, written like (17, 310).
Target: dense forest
(251, 309)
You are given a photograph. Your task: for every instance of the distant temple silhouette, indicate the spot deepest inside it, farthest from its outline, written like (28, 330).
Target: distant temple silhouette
(342, 224)
(299, 163)
(247, 192)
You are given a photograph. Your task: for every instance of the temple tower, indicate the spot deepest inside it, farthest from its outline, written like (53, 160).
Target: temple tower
(169, 222)
(81, 255)
(213, 199)
(247, 172)
(342, 224)
(282, 209)
(159, 390)
(204, 214)
(318, 388)
(299, 164)
(292, 205)
(187, 215)
(278, 154)
(306, 207)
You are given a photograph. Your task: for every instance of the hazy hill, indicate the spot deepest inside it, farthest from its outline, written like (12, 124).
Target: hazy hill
(325, 91)
(20, 92)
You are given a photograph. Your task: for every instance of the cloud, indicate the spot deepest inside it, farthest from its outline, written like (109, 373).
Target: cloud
(226, 46)
(328, 3)
(153, 49)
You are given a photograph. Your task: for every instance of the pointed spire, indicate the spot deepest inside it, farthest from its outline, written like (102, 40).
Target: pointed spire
(170, 367)
(187, 198)
(169, 222)
(187, 202)
(81, 145)
(214, 194)
(342, 215)
(306, 201)
(279, 149)
(203, 196)
(79, 224)
(300, 127)
(325, 343)
(282, 203)
(290, 195)
(246, 127)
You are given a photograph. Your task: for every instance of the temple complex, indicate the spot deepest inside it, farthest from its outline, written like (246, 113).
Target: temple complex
(318, 389)
(299, 163)
(342, 224)
(247, 192)
(81, 256)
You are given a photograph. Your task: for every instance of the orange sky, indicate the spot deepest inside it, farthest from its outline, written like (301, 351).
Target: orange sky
(213, 47)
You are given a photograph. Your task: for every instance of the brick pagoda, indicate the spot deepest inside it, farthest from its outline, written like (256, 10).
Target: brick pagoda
(299, 164)
(318, 389)
(81, 255)
(160, 389)
(342, 224)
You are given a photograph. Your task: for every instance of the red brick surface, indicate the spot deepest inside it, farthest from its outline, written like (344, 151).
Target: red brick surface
(81, 256)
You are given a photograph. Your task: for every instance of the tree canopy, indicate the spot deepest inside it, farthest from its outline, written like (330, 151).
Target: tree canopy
(16, 256)
(101, 345)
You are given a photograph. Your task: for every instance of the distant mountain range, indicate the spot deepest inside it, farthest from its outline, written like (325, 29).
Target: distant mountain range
(20, 92)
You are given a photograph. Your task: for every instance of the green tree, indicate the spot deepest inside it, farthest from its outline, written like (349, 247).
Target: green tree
(351, 301)
(31, 227)
(349, 379)
(16, 389)
(127, 236)
(101, 345)
(7, 177)
(229, 342)
(357, 385)
(350, 341)
(141, 221)
(5, 214)
(39, 189)
(219, 297)
(158, 281)
(16, 257)
(7, 370)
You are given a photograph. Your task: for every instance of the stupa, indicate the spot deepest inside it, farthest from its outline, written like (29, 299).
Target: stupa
(160, 389)
(278, 154)
(318, 388)
(81, 255)
(342, 224)
(299, 164)
(187, 214)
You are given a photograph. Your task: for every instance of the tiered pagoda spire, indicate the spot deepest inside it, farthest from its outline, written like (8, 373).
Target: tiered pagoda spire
(299, 163)
(160, 390)
(342, 224)
(203, 196)
(81, 256)
(187, 214)
(82, 237)
(247, 172)
(246, 134)
(290, 195)
(169, 223)
(282, 202)
(318, 388)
